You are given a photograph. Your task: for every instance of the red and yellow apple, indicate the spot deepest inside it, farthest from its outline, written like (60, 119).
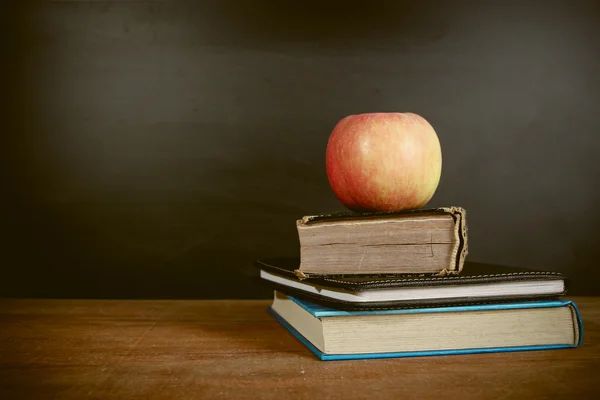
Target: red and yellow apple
(384, 161)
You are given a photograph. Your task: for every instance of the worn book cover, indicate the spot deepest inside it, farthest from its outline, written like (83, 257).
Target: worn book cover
(432, 241)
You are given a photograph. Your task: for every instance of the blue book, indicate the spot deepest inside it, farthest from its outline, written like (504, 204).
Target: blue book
(334, 334)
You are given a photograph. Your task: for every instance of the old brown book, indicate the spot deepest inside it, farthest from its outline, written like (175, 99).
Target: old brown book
(424, 241)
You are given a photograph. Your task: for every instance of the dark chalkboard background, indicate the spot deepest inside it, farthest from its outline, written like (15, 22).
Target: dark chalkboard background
(155, 149)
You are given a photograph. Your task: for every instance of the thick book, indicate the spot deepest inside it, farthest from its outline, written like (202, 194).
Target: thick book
(334, 334)
(477, 283)
(430, 241)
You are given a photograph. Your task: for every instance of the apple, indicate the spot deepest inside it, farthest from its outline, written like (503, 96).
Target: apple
(383, 161)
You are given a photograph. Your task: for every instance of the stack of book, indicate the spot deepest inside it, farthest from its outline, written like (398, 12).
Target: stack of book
(396, 284)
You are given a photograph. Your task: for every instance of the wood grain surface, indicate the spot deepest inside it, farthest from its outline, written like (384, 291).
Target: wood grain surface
(155, 349)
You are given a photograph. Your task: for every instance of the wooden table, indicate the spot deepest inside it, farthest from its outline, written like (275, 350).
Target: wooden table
(146, 349)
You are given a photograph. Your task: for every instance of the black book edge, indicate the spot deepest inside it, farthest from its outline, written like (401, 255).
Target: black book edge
(419, 303)
(406, 304)
(491, 273)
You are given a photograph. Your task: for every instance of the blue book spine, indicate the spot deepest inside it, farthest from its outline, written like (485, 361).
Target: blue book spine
(319, 311)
